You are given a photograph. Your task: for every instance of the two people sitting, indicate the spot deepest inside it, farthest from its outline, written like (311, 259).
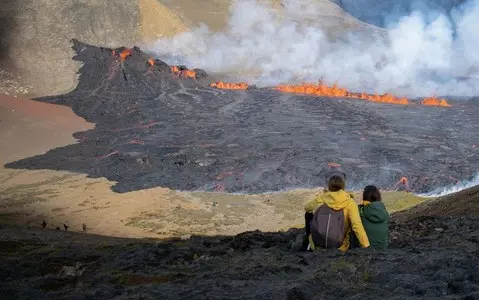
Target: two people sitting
(334, 220)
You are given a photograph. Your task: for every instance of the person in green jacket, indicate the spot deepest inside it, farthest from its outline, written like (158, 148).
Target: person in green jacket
(375, 217)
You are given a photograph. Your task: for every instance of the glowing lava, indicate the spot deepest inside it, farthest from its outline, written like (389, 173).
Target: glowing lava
(125, 53)
(321, 89)
(404, 181)
(324, 90)
(333, 165)
(183, 73)
(433, 101)
(229, 86)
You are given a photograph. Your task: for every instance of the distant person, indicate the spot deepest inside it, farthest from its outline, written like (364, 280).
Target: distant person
(44, 224)
(375, 217)
(84, 228)
(65, 225)
(331, 217)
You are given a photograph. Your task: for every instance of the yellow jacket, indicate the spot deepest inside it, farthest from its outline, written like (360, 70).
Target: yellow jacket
(342, 200)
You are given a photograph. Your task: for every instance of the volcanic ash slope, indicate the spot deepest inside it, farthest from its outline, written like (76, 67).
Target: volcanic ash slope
(429, 257)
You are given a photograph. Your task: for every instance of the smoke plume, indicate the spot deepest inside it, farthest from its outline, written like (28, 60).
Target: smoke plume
(420, 54)
(454, 188)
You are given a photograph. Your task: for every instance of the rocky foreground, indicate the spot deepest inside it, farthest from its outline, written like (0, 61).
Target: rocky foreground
(433, 256)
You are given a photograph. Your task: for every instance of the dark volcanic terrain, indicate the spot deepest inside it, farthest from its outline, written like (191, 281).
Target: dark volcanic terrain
(431, 257)
(153, 129)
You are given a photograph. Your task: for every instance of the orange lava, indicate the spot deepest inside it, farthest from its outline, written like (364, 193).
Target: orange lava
(324, 90)
(321, 89)
(137, 142)
(333, 165)
(188, 74)
(229, 86)
(403, 180)
(433, 101)
(183, 73)
(125, 53)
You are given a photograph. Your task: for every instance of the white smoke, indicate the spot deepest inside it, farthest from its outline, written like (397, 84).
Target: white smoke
(415, 58)
(452, 189)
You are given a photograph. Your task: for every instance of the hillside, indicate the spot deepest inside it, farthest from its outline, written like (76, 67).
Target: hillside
(463, 203)
(429, 257)
(35, 51)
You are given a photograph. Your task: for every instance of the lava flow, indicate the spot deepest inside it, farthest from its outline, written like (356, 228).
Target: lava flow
(321, 89)
(324, 90)
(123, 53)
(156, 130)
(433, 101)
(183, 72)
(403, 182)
(230, 86)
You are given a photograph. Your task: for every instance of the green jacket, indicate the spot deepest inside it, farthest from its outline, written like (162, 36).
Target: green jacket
(375, 220)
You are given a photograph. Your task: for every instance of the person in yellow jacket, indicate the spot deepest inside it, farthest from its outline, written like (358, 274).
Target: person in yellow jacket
(337, 199)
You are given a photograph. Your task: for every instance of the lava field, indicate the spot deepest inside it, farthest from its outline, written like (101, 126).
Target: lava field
(161, 125)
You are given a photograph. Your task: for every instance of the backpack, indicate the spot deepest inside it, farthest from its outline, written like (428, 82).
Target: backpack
(327, 227)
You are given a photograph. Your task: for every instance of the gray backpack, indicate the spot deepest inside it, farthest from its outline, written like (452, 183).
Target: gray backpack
(327, 227)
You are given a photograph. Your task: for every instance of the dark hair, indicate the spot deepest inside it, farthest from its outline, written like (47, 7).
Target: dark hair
(371, 193)
(336, 183)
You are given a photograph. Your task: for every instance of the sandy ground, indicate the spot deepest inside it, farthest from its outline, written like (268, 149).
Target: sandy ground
(158, 21)
(212, 13)
(27, 197)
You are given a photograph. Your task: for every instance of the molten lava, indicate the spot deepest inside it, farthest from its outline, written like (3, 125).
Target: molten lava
(125, 53)
(324, 90)
(433, 101)
(333, 165)
(229, 86)
(403, 180)
(321, 89)
(183, 73)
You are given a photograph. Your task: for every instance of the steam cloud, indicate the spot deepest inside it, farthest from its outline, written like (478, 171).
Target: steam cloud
(419, 55)
(453, 189)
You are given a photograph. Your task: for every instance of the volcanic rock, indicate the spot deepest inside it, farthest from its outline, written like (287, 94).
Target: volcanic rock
(420, 263)
(176, 124)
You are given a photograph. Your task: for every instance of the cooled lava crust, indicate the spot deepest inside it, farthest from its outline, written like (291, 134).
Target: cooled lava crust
(155, 128)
